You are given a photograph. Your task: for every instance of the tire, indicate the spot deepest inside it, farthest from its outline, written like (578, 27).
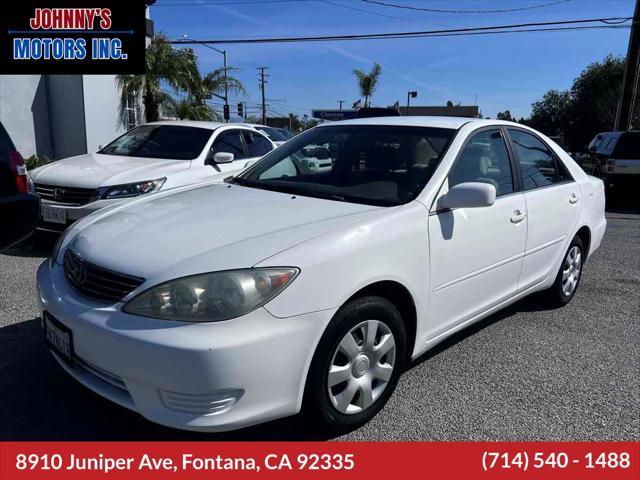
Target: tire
(328, 407)
(569, 274)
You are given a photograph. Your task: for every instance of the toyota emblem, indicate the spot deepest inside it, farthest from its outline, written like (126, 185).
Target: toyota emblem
(77, 271)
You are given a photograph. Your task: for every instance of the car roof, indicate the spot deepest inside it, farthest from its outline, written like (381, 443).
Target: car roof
(192, 123)
(436, 122)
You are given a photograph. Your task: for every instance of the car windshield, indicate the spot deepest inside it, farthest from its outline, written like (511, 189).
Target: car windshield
(173, 142)
(273, 133)
(375, 165)
(285, 133)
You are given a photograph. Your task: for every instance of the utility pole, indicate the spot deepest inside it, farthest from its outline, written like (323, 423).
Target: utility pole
(629, 93)
(245, 111)
(340, 102)
(262, 84)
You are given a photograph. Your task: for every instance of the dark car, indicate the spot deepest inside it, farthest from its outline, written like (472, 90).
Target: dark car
(19, 209)
(614, 157)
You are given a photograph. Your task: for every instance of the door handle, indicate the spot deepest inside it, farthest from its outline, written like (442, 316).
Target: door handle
(574, 198)
(517, 216)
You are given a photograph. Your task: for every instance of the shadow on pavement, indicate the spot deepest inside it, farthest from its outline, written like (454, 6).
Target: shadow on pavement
(41, 402)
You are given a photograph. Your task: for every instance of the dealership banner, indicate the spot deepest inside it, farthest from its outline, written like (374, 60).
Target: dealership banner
(73, 37)
(314, 460)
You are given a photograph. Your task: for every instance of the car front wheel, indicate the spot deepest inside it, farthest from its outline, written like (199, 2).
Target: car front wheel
(356, 365)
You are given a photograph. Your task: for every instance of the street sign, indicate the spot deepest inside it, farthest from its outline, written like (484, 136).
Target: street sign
(333, 114)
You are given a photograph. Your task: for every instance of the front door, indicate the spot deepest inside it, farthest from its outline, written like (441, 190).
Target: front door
(476, 253)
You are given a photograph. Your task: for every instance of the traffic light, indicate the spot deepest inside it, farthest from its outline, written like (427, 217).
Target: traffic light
(226, 112)
(240, 110)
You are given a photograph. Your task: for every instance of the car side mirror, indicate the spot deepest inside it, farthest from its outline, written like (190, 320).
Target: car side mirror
(223, 157)
(469, 195)
(100, 147)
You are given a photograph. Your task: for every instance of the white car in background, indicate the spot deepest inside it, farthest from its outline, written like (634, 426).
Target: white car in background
(218, 306)
(150, 158)
(276, 135)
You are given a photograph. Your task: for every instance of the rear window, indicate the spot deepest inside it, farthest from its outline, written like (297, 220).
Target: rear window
(628, 146)
(173, 142)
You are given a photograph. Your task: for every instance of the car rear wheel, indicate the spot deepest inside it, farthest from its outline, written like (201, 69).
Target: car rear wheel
(356, 365)
(568, 277)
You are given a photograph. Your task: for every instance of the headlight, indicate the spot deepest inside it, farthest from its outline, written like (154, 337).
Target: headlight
(212, 297)
(56, 247)
(129, 189)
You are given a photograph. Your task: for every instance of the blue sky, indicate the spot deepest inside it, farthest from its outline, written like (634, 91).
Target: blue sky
(507, 71)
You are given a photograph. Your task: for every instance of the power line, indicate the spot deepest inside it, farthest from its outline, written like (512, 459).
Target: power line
(438, 10)
(371, 12)
(418, 34)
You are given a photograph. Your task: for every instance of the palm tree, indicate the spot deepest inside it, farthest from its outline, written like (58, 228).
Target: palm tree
(368, 82)
(177, 68)
(214, 82)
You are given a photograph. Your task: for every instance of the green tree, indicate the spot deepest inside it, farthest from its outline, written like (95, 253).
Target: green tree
(588, 108)
(551, 114)
(506, 115)
(367, 82)
(176, 68)
(594, 100)
(214, 82)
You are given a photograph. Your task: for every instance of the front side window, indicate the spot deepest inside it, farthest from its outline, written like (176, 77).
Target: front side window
(173, 142)
(256, 144)
(371, 164)
(229, 141)
(273, 133)
(537, 162)
(485, 159)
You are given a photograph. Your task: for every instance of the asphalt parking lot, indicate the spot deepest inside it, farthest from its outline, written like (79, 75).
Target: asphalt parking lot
(527, 373)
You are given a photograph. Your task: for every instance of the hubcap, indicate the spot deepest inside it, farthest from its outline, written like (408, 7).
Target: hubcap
(361, 366)
(571, 271)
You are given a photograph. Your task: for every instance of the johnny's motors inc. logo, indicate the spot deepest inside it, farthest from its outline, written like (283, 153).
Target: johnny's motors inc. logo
(69, 34)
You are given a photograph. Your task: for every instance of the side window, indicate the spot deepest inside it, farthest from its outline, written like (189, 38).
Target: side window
(536, 161)
(229, 142)
(484, 159)
(256, 143)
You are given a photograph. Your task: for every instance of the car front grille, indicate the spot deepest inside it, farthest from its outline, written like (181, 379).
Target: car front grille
(66, 195)
(96, 282)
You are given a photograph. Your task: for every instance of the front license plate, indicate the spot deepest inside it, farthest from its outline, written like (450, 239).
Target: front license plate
(53, 214)
(59, 338)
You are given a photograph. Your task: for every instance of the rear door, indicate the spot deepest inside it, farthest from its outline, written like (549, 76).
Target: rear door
(553, 202)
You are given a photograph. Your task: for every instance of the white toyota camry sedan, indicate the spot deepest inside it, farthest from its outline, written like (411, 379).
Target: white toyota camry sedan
(149, 158)
(287, 289)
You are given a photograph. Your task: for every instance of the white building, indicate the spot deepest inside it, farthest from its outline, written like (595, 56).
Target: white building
(58, 116)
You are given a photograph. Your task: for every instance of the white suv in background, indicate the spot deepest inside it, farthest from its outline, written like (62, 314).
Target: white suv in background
(152, 157)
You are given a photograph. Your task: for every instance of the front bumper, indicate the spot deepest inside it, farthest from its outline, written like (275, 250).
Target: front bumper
(73, 212)
(195, 376)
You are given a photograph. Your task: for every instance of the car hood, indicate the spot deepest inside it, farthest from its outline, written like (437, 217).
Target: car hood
(207, 228)
(96, 170)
